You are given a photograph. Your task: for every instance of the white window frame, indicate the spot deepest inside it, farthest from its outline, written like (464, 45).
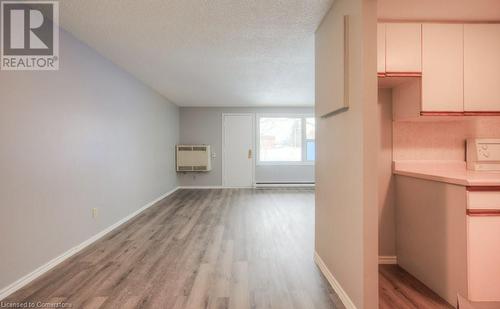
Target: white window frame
(304, 150)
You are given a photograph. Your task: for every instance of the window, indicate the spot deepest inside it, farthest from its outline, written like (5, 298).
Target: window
(310, 139)
(286, 139)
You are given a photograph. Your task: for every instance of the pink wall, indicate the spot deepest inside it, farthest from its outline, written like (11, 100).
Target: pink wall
(386, 184)
(346, 235)
(440, 140)
(463, 10)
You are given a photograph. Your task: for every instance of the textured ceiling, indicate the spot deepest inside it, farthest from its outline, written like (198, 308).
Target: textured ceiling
(207, 52)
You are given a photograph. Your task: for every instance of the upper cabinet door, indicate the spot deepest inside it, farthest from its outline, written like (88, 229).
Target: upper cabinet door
(381, 48)
(482, 67)
(403, 48)
(442, 67)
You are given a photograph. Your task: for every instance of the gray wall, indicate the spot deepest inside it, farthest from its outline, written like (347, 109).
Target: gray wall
(204, 125)
(89, 135)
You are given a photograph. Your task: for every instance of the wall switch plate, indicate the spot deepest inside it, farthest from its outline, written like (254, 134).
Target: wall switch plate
(94, 213)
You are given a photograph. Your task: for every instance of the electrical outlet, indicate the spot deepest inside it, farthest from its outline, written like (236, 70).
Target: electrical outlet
(94, 213)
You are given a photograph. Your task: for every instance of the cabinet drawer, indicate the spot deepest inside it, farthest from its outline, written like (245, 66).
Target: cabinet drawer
(483, 200)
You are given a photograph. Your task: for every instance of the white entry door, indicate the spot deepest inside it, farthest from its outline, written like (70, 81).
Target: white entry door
(238, 150)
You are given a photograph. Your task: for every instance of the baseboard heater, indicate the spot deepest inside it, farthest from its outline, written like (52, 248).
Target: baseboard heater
(284, 184)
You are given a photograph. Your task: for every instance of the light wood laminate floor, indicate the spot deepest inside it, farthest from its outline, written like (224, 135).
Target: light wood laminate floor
(231, 248)
(399, 289)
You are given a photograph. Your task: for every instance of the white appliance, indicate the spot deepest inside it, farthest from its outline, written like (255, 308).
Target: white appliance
(483, 154)
(193, 158)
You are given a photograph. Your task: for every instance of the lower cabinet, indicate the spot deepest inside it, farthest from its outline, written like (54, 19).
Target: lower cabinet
(431, 234)
(448, 237)
(483, 245)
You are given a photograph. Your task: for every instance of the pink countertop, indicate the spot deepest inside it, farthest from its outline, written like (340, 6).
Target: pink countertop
(454, 172)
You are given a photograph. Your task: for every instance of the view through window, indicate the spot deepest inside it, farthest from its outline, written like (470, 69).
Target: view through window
(286, 139)
(310, 139)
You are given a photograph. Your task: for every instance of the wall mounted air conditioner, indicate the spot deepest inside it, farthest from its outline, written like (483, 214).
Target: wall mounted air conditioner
(193, 158)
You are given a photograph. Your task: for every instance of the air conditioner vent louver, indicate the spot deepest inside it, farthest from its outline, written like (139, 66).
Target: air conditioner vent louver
(193, 158)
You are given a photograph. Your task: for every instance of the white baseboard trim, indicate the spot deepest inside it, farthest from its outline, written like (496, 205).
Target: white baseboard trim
(388, 260)
(346, 300)
(11, 288)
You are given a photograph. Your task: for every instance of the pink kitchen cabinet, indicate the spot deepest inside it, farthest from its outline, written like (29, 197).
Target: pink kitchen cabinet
(448, 237)
(483, 245)
(381, 48)
(403, 48)
(457, 65)
(442, 68)
(431, 237)
(483, 258)
(482, 67)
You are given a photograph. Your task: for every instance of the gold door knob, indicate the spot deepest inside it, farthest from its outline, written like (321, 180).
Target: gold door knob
(249, 153)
